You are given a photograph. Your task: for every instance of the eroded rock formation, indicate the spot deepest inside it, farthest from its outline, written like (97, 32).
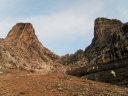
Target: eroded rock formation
(21, 49)
(106, 56)
(110, 41)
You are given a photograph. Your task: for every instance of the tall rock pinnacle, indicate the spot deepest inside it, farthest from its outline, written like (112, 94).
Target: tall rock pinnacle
(21, 49)
(109, 42)
(22, 32)
(105, 29)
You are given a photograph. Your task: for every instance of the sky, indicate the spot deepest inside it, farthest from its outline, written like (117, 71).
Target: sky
(63, 26)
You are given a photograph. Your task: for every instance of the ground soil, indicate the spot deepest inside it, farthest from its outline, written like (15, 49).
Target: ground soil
(21, 83)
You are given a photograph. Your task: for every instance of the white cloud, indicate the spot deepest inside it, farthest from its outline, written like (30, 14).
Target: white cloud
(61, 29)
(64, 29)
(66, 25)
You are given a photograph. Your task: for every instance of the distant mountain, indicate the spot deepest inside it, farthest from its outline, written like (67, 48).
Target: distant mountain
(106, 58)
(21, 49)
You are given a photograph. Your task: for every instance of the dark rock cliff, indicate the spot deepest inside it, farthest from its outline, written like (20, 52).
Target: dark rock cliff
(107, 55)
(110, 41)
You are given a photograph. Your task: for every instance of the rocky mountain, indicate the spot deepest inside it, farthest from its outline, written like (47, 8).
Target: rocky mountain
(25, 64)
(105, 59)
(110, 41)
(21, 49)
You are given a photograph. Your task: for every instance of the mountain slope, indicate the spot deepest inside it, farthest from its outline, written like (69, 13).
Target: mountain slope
(21, 49)
(106, 58)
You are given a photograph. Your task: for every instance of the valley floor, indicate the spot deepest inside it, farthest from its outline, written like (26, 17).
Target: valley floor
(20, 83)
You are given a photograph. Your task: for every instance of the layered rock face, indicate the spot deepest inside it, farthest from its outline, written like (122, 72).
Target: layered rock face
(110, 41)
(21, 49)
(107, 55)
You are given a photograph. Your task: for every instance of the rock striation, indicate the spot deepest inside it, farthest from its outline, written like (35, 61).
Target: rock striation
(110, 41)
(107, 55)
(21, 49)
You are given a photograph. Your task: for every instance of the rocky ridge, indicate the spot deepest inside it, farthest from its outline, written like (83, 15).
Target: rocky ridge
(21, 49)
(110, 41)
(105, 59)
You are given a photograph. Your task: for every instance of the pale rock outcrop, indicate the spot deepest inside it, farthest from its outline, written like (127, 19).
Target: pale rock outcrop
(21, 49)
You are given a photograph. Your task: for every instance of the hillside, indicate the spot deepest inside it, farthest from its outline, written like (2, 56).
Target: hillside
(27, 68)
(106, 58)
(22, 50)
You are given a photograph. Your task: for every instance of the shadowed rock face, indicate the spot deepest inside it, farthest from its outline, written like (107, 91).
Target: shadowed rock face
(21, 49)
(110, 41)
(104, 31)
(106, 55)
